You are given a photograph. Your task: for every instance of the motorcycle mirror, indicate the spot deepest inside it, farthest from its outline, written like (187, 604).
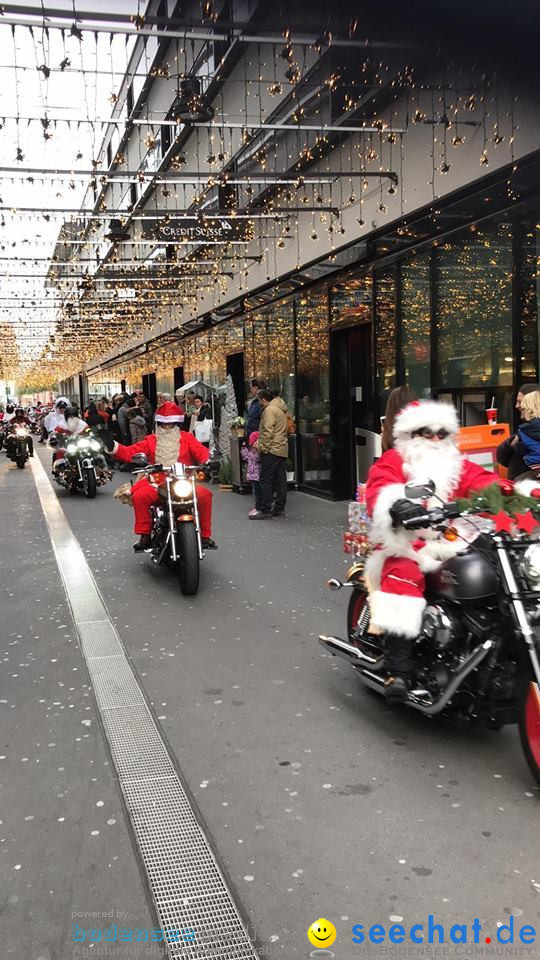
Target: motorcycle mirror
(419, 489)
(140, 459)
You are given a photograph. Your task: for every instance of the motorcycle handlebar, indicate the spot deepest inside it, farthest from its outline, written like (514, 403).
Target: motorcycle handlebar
(432, 518)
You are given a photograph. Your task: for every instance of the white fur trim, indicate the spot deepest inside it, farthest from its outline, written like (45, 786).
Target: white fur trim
(426, 413)
(395, 540)
(114, 449)
(524, 487)
(398, 614)
(174, 418)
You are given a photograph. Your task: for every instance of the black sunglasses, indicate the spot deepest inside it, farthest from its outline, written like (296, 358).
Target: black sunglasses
(428, 434)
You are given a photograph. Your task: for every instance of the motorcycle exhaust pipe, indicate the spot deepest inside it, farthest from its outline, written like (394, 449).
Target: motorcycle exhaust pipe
(340, 648)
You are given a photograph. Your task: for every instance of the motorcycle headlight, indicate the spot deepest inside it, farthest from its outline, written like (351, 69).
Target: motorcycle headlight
(71, 448)
(82, 443)
(530, 566)
(21, 432)
(95, 445)
(182, 489)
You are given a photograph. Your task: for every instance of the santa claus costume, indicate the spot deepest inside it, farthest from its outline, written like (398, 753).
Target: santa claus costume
(424, 447)
(166, 446)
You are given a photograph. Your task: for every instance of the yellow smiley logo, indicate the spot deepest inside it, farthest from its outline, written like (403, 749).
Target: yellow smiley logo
(322, 933)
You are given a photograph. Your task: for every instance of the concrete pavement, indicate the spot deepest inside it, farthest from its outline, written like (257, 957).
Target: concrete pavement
(319, 800)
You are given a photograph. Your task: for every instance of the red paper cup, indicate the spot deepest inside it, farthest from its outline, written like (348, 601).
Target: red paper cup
(491, 415)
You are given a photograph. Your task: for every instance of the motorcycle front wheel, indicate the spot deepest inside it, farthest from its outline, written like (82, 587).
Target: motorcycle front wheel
(21, 459)
(89, 483)
(529, 725)
(188, 558)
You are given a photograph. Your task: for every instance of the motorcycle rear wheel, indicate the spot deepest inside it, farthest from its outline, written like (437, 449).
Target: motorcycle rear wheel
(357, 602)
(529, 725)
(89, 483)
(188, 559)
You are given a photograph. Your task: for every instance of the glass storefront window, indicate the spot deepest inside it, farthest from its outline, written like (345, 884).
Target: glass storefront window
(385, 334)
(474, 309)
(260, 345)
(530, 293)
(313, 387)
(280, 333)
(351, 301)
(416, 322)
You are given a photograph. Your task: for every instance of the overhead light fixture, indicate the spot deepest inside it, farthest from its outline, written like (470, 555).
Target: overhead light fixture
(116, 231)
(190, 106)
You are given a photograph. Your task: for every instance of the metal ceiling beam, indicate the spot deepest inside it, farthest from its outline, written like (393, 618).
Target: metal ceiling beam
(237, 31)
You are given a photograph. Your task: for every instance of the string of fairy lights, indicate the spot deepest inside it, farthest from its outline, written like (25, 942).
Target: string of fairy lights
(271, 146)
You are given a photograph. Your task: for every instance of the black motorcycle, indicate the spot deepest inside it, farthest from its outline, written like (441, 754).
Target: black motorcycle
(83, 465)
(477, 654)
(17, 447)
(176, 534)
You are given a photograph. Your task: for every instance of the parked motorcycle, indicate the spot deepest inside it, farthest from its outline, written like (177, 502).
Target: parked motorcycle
(17, 445)
(477, 654)
(83, 465)
(176, 535)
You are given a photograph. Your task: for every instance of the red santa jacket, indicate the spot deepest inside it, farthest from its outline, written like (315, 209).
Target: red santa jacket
(190, 451)
(385, 484)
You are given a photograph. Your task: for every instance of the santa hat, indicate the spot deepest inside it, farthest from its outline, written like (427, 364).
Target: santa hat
(168, 412)
(425, 413)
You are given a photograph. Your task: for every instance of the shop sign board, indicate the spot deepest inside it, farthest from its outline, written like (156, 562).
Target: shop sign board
(198, 230)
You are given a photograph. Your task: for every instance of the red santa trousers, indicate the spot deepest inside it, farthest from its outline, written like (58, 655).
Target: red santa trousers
(144, 495)
(398, 603)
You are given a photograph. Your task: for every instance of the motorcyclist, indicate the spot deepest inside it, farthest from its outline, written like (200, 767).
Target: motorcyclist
(56, 415)
(10, 413)
(166, 446)
(19, 420)
(68, 425)
(425, 446)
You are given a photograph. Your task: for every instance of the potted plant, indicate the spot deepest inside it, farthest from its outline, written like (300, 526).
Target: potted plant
(225, 474)
(238, 426)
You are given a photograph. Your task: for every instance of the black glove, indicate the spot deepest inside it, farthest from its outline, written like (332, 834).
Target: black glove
(107, 441)
(405, 510)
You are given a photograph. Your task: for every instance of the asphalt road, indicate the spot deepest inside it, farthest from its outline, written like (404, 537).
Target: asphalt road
(319, 800)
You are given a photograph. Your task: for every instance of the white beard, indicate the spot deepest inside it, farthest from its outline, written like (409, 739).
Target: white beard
(438, 460)
(167, 446)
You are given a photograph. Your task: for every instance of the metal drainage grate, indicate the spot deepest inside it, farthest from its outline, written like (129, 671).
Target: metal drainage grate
(189, 891)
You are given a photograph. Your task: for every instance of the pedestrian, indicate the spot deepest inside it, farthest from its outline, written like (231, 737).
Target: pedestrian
(146, 408)
(254, 410)
(93, 416)
(123, 424)
(253, 473)
(201, 421)
(273, 446)
(137, 424)
(528, 436)
(398, 398)
(507, 451)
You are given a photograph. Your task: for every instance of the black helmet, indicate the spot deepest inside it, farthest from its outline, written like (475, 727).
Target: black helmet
(19, 412)
(70, 412)
(61, 405)
(9, 408)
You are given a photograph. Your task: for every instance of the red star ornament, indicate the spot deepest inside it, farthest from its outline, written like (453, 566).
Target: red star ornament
(526, 521)
(503, 522)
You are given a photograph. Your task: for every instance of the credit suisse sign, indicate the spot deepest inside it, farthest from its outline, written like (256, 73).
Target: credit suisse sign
(199, 230)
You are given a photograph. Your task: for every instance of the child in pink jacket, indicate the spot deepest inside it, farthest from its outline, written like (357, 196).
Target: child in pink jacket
(253, 458)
